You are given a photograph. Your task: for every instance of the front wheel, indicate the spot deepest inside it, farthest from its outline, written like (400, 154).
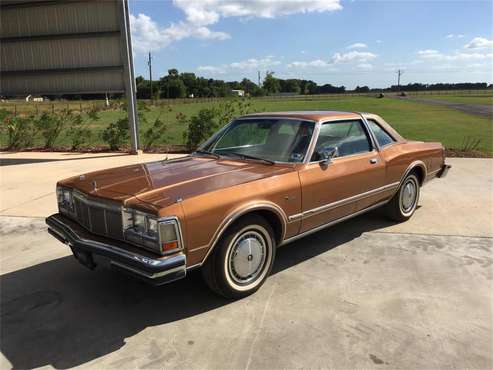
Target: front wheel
(243, 258)
(402, 206)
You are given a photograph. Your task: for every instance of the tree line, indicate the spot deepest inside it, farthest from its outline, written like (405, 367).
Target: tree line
(182, 85)
(176, 85)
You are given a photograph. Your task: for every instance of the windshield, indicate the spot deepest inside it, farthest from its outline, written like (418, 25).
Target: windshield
(280, 140)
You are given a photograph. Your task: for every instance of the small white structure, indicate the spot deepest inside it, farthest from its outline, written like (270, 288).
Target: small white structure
(240, 93)
(37, 99)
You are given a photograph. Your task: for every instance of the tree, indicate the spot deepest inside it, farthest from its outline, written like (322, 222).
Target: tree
(290, 86)
(271, 84)
(362, 89)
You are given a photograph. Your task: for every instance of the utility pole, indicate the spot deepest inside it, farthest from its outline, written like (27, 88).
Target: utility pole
(399, 74)
(149, 63)
(258, 78)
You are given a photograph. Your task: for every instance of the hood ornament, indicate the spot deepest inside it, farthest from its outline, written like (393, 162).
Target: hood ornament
(82, 177)
(94, 186)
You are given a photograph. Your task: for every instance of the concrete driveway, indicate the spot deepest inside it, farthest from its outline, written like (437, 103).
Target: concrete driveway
(364, 294)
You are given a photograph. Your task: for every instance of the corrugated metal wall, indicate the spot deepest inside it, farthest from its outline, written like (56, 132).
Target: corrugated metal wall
(60, 47)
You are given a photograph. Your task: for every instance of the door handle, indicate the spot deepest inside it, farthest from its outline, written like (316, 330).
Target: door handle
(373, 160)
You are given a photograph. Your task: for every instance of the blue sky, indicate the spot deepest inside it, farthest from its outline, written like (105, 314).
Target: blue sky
(329, 41)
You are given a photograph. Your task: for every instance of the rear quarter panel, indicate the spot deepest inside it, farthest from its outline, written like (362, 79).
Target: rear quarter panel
(400, 156)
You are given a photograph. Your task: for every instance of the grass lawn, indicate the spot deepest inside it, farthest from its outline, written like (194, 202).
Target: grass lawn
(413, 120)
(479, 99)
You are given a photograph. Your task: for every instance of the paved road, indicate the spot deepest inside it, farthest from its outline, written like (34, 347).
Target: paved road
(475, 109)
(364, 294)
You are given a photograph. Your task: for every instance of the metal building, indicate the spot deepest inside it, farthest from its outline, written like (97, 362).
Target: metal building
(56, 47)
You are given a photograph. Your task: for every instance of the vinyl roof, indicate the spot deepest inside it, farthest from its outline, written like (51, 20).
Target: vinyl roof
(307, 115)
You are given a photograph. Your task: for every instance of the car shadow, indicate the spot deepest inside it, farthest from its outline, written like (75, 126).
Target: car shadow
(60, 314)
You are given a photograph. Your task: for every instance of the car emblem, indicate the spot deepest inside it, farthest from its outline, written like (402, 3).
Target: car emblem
(94, 185)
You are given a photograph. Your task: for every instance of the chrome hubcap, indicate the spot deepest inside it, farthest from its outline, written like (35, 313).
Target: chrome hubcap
(408, 196)
(247, 257)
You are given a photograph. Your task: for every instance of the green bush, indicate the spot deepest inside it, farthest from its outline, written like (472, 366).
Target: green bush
(154, 133)
(20, 131)
(200, 127)
(51, 126)
(79, 133)
(116, 134)
(208, 120)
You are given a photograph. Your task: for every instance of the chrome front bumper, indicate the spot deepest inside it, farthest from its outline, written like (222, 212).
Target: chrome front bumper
(153, 269)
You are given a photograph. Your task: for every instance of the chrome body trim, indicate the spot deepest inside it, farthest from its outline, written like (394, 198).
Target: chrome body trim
(240, 212)
(316, 133)
(345, 201)
(373, 138)
(149, 276)
(331, 223)
(176, 222)
(411, 167)
(92, 202)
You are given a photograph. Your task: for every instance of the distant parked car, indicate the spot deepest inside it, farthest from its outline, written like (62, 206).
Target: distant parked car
(262, 181)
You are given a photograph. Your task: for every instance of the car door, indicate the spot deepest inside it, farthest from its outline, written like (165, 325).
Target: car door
(336, 190)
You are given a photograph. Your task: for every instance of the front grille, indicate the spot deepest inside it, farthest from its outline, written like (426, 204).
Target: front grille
(99, 217)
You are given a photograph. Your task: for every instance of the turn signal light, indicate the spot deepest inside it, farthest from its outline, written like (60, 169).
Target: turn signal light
(170, 246)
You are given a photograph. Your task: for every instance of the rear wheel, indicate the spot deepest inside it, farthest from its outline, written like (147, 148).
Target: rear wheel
(243, 258)
(402, 206)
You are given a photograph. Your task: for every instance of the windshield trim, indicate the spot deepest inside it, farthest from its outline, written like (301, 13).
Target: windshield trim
(223, 130)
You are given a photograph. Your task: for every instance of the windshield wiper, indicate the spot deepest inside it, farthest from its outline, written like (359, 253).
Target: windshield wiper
(206, 152)
(248, 156)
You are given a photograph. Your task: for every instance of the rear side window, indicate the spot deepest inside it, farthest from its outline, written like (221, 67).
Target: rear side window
(382, 136)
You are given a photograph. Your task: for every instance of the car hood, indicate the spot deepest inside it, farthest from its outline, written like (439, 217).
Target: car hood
(159, 184)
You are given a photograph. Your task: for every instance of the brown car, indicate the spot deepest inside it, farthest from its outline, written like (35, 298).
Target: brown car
(262, 181)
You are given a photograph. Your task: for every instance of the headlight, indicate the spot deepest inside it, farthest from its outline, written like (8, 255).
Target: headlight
(161, 235)
(65, 200)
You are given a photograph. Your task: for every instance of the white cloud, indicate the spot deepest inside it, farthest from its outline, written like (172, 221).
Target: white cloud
(244, 65)
(350, 57)
(358, 45)
(317, 63)
(435, 55)
(454, 36)
(206, 12)
(479, 43)
(429, 54)
(200, 14)
(148, 36)
(353, 56)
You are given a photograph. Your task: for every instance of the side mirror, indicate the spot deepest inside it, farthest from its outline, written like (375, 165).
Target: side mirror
(326, 155)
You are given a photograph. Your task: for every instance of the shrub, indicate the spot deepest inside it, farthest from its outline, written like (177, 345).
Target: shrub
(200, 127)
(51, 126)
(208, 120)
(20, 131)
(116, 134)
(78, 132)
(153, 133)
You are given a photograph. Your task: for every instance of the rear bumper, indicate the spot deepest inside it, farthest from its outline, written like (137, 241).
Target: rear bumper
(154, 270)
(443, 171)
